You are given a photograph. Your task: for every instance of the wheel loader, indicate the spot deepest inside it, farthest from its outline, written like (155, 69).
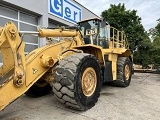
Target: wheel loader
(74, 64)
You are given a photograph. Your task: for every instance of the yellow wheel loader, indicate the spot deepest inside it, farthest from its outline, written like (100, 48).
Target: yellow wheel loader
(74, 63)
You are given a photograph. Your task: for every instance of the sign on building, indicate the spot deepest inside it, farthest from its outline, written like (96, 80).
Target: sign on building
(65, 9)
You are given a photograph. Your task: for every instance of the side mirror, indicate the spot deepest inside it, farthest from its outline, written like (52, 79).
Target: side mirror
(103, 22)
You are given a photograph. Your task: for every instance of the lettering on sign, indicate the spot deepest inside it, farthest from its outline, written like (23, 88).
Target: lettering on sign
(65, 9)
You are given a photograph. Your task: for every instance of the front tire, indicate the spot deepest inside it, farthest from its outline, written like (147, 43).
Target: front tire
(77, 81)
(38, 89)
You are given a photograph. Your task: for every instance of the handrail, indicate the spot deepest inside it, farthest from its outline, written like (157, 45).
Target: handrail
(118, 38)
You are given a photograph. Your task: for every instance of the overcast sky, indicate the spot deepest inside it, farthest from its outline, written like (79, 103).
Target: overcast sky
(148, 10)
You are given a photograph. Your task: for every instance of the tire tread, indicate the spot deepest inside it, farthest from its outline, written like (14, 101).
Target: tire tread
(66, 88)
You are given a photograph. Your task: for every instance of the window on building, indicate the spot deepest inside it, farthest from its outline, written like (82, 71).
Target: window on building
(24, 22)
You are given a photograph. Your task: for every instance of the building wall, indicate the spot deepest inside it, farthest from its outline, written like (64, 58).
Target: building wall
(28, 14)
(40, 8)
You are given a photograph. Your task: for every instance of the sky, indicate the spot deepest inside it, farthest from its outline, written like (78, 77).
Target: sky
(148, 10)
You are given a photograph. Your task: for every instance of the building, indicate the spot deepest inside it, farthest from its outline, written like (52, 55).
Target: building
(28, 14)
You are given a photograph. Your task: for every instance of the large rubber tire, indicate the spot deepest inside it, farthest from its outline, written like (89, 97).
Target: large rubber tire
(123, 79)
(67, 85)
(38, 89)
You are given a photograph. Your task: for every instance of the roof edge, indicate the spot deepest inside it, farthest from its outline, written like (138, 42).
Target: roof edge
(86, 8)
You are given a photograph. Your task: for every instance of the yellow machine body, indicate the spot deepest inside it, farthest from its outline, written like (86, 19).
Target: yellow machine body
(19, 72)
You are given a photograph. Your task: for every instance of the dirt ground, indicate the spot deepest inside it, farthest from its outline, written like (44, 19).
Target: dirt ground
(139, 101)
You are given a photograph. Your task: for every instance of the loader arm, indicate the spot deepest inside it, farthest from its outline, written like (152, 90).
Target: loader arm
(19, 72)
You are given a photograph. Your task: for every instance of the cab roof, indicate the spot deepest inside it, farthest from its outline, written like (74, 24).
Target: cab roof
(90, 19)
(100, 19)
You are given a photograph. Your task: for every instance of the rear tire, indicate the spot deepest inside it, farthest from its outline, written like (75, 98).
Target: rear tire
(38, 89)
(124, 72)
(77, 81)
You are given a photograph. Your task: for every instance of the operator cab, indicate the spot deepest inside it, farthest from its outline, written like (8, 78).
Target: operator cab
(95, 31)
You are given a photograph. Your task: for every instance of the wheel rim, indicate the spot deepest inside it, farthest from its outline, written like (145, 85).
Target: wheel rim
(127, 72)
(89, 81)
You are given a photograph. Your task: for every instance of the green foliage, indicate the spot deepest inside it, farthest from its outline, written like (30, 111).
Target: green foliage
(146, 50)
(142, 54)
(155, 46)
(149, 52)
(127, 21)
(155, 32)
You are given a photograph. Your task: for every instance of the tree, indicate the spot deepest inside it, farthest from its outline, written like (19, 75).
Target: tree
(142, 54)
(155, 32)
(155, 46)
(127, 21)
